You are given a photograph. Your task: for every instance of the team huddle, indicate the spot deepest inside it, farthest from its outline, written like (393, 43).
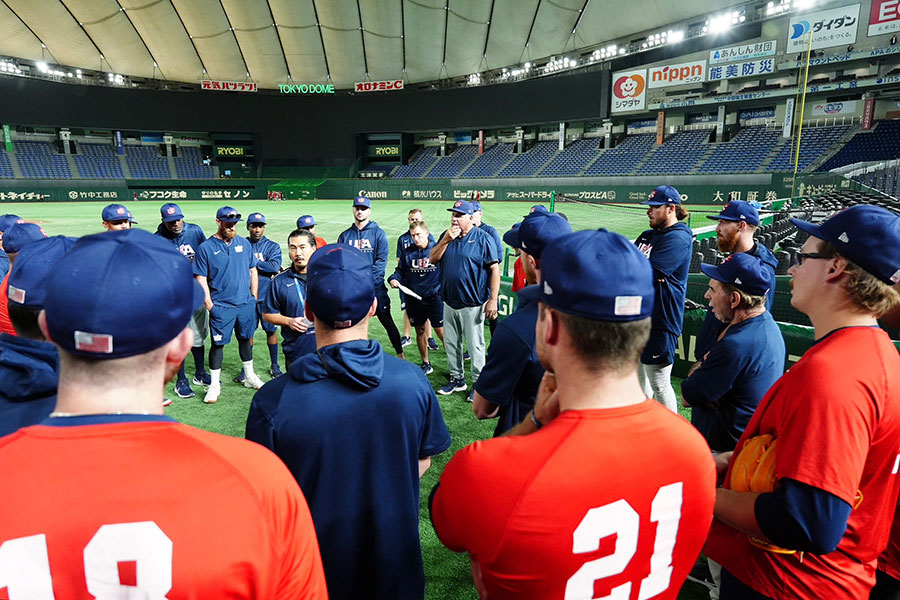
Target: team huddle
(592, 487)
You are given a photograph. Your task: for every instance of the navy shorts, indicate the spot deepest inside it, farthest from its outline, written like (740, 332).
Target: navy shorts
(223, 320)
(266, 326)
(384, 301)
(426, 309)
(660, 348)
(402, 300)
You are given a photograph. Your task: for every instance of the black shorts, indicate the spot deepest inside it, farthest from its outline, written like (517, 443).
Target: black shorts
(426, 309)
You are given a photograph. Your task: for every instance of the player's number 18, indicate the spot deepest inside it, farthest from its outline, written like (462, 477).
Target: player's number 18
(25, 564)
(621, 519)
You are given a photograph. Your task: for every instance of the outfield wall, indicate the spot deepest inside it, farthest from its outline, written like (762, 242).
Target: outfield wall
(124, 190)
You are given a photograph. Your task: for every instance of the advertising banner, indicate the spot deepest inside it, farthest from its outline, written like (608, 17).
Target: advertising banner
(743, 52)
(228, 86)
(7, 138)
(751, 68)
(680, 74)
(481, 141)
(120, 147)
(378, 86)
(757, 113)
(660, 127)
(831, 109)
(629, 90)
(868, 113)
(884, 17)
(788, 118)
(833, 27)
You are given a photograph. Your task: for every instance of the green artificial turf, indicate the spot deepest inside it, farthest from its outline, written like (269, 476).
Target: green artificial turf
(447, 573)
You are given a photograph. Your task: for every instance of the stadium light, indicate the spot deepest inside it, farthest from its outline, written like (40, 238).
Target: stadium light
(720, 23)
(42, 67)
(676, 36)
(804, 4)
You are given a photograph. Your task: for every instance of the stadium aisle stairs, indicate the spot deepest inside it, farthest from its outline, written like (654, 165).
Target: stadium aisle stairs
(844, 139)
(774, 152)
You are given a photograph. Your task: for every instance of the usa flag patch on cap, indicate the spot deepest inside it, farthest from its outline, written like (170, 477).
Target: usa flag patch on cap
(342, 324)
(101, 343)
(628, 305)
(15, 294)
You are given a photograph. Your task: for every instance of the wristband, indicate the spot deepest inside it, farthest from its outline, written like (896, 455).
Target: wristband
(534, 420)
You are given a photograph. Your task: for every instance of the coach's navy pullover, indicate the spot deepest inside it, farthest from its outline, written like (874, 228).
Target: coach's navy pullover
(268, 264)
(372, 241)
(415, 271)
(465, 269)
(188, 242)
(28, 380)
(669, 251)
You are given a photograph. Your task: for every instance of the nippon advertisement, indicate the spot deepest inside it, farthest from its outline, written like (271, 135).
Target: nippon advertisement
(629, 90)
(742, 52)
(884, 17)
(680, 74)
(833, 27)
(751, 68)
(833, 109)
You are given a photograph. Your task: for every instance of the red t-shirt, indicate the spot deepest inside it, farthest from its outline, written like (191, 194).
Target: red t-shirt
(889, 561)
(320, 242)
(519, 280)
(580, 507)
(5, 323)
(836, 416)
(177, 512)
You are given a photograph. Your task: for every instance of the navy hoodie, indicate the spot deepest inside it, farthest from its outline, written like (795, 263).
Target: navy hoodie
(29, 374)
(352, 437)
(669, 251)
(415, 271)
(372, 241)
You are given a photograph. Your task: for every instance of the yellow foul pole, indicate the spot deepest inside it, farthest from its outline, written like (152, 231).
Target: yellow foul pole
(802, 107)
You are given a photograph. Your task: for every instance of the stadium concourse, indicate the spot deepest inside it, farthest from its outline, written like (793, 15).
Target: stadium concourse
(760, 120)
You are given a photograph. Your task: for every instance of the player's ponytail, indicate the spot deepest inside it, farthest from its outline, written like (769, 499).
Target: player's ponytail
(681, 213)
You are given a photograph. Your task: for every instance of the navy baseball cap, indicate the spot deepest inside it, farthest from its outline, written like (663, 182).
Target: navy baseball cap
(170, 212)
(226, 214)
(476, 206)
(340, 289)
(539, 229)
(115, 212)
(738, 210)
(511, 237)
(119, 294)
(7, 221)
(34, 264)
(362, 201)
(256, 218)
(597, 275)
(744, 271)
(867, 235)
(463, 207)
(20, 235)
(538, 208)
(662, 195)
(131, 218)
(305, 221)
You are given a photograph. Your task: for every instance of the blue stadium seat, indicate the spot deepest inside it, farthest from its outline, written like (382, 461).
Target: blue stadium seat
(882, 143)
(38, 160)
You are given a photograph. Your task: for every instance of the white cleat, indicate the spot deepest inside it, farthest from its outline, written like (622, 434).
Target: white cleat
(252, 381)
(212, 394)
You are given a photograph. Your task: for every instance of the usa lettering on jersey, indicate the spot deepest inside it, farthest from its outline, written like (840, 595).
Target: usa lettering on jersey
(362, 244)
(187, 250)
(422, 264)
(645, 248)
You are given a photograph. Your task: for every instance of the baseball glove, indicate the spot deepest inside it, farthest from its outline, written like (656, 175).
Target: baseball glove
(754, 467)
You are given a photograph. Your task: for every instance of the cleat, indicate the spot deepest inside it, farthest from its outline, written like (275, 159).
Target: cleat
(454, 385)
(252, 381)
(275, 371)
(405, 341)
(166, 402)
(432, 344)
(202, 378)
(427, 368)
(212, 394)
(466, 355)
(239, 378)
(471, 396)
(183, 389)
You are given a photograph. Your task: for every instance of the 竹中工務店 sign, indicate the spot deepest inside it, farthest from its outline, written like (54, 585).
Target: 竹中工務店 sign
(228, 86)
(629, 90)
(828, 28)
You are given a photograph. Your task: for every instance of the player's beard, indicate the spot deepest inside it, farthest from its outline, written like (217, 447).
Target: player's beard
(227, 234)
(727, 241)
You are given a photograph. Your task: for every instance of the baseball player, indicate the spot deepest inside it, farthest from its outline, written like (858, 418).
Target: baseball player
(115, 217)
(268, 265)
(600, 492)
(187, 238)
(826, 433)
(415, 271)
(225, 267)
(492, 231)
(366, 236)
(6, 221)
(748, 358)
(668, 246)
(512, 372)
(96, 519)
(403, 242)
(470, 286)
(309, 222)
(28, 362)
(735, 229)
(285, 302)
(357, 428)
(17, 236)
